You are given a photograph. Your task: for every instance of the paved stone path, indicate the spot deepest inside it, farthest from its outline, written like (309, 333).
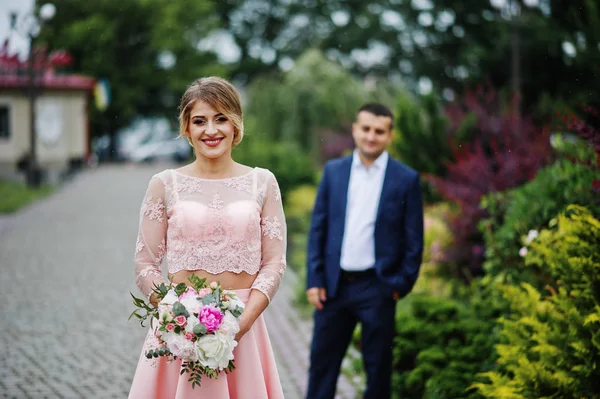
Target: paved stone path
(65, 276)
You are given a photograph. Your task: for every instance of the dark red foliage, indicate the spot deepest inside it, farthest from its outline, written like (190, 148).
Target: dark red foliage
(504, 151)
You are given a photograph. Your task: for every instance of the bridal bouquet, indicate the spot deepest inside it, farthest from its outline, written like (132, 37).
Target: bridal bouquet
(196, 324)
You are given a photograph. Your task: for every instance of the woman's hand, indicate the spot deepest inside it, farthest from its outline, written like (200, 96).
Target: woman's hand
(244, 328)
(153, 300)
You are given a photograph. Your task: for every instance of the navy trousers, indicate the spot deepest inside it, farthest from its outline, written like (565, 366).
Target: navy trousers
(361, 300)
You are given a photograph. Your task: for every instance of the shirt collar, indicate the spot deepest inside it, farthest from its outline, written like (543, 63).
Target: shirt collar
(379, 164)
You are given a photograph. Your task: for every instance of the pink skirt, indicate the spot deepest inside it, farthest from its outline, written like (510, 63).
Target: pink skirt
(255, 375)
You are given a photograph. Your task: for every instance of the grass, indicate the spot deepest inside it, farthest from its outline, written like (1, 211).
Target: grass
(14, 195)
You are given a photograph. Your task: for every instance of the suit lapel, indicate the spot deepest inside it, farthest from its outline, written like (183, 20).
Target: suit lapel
(386, 189)
(344, 179)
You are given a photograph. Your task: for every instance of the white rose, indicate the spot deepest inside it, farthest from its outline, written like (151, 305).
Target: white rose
(179, 346)
(192, 304)
(215, 350)
(191, 322)
(170, 298)
(229, 325)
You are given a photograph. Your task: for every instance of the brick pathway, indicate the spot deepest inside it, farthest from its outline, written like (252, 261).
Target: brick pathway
(65, 276)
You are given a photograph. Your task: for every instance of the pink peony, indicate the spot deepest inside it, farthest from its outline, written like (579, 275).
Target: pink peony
(181, 321)
(189, 293)
(214, 284)
(204, 291)
(211, 317)
(170, 327)
(189, 336)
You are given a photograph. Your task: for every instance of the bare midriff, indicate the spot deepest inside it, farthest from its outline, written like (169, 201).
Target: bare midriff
(228, 280)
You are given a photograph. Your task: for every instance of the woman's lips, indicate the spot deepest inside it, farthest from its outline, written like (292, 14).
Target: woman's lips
(213, 142)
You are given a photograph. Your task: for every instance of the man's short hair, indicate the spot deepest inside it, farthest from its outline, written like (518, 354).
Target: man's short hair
(378, 110)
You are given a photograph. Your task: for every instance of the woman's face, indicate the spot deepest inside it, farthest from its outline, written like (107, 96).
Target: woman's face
(210, 131)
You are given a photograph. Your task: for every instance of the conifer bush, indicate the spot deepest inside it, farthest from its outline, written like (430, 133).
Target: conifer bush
(552, 337)
(441, 344)
(516, 212)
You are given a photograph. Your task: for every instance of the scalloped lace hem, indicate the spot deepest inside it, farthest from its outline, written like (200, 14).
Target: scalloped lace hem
(214, 272)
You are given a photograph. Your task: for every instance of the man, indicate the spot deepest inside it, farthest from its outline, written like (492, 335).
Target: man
(364, 253)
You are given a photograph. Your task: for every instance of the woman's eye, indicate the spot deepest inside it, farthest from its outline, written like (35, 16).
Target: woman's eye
(198, 122)
(221, 120)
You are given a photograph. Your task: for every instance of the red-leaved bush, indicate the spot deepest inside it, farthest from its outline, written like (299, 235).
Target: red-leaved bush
(503, 150)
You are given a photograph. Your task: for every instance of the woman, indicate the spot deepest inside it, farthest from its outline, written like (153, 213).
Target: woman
(222, 221)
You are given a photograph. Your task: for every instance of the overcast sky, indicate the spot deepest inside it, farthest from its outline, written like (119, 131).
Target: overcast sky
(17, 43)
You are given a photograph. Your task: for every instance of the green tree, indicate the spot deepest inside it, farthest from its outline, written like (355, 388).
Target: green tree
(311, 105)
(147, 49)
(421, 125)
(450, 42)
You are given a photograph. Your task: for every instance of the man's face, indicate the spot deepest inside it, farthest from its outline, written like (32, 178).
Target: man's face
(371, 134)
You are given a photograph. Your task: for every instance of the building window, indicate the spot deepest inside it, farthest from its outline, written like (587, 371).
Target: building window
(4, 122)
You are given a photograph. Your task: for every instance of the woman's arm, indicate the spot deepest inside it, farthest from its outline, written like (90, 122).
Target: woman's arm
(151, 241)
(273, 247)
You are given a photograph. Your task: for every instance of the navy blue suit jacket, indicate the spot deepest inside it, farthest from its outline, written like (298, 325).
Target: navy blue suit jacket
(398, 228)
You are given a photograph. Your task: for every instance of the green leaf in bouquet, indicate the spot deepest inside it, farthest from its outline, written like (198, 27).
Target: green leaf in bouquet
(139, 302)
(199, 329)
(230, 367)
(160, 290)
(180, 288)
(134, 313)
(197, 282)
(177, 330)
(148, 311)
(237, 311)
(180, 310)
(210, 298)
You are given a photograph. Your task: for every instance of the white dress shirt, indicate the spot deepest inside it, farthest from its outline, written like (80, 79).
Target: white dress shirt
(364, 192)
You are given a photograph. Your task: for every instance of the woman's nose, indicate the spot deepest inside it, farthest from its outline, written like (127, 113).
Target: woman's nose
(211, 128)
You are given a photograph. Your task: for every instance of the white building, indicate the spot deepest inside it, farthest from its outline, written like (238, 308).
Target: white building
(61, 117)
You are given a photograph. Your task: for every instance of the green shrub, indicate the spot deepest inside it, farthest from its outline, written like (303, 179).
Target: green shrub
(514, 213)
(436, 233)
(442, 344)
(291, 166)
(552, 347)
(298, 209)
(421, 124)
(437, 237)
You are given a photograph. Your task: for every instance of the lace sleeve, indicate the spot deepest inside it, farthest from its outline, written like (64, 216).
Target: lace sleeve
(151, 240)
(273, 244)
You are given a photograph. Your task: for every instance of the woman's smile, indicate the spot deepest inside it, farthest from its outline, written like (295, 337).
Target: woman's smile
(213, 142)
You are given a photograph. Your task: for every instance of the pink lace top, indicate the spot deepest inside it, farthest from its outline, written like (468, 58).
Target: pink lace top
(235, 225)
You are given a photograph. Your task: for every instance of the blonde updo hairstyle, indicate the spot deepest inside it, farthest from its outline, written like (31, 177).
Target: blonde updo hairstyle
(219, 94)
